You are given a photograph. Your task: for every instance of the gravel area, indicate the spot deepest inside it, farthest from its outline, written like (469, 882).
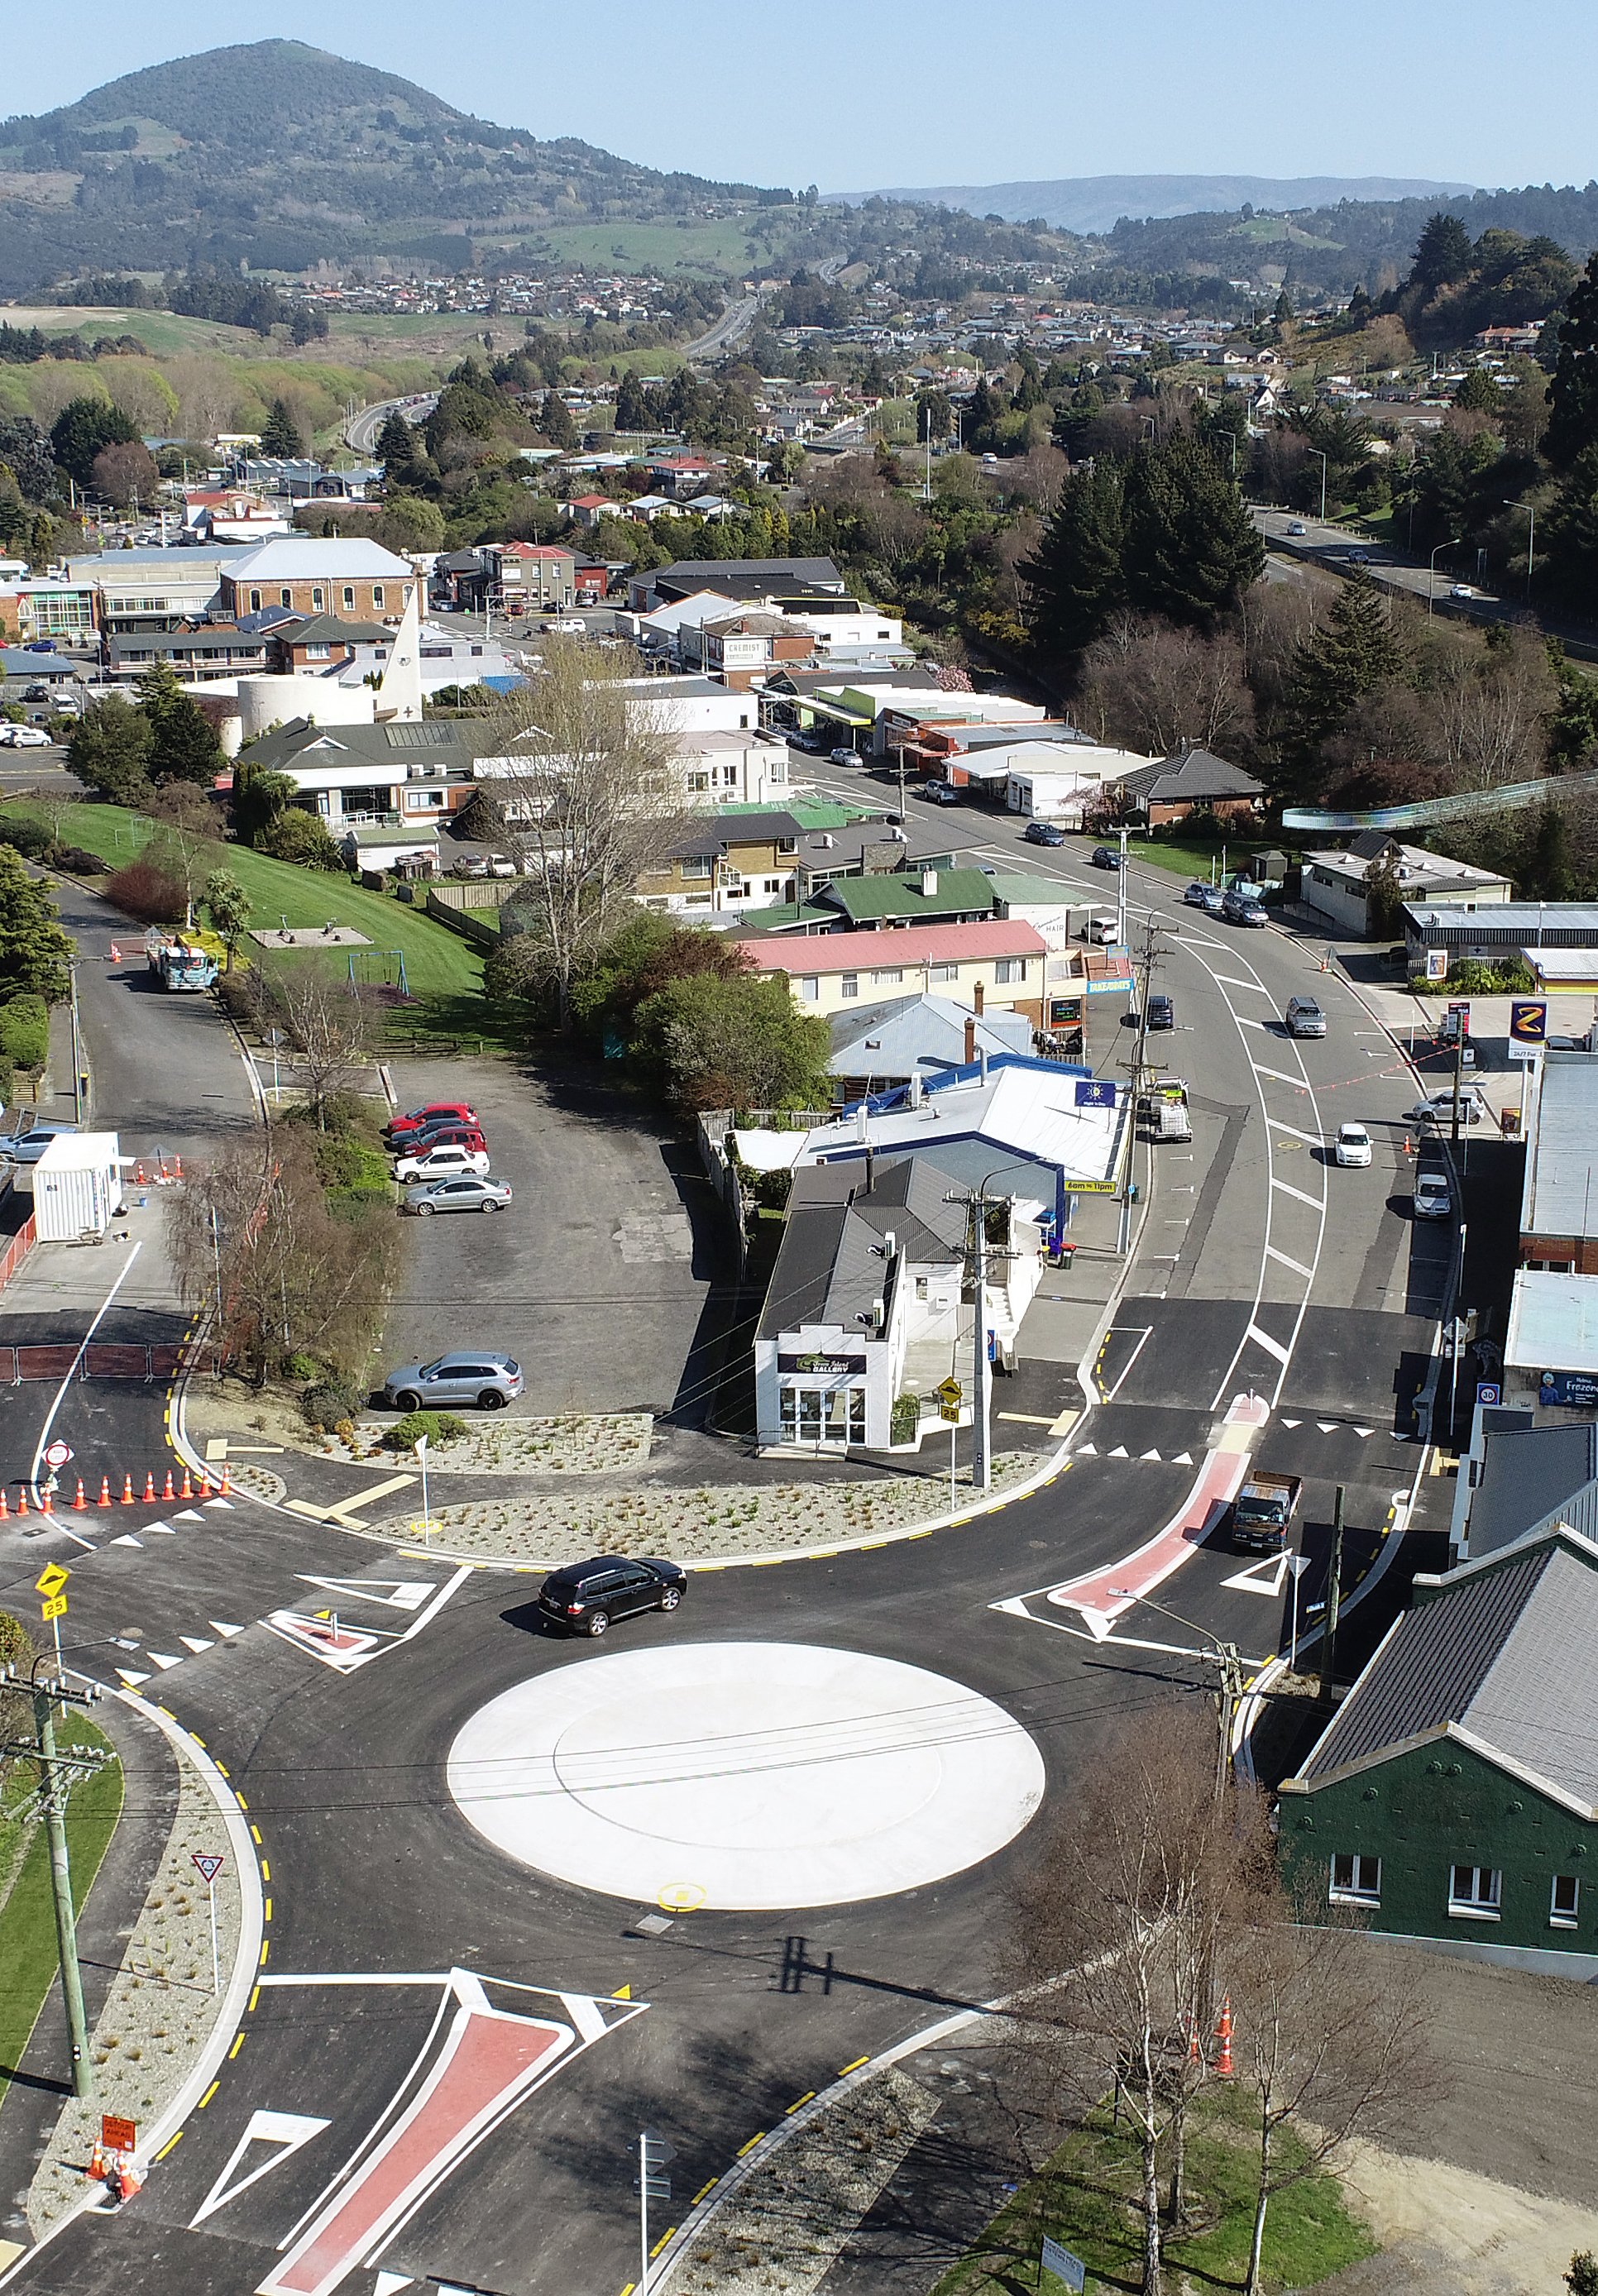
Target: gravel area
(159, 2007)
(1447, 2231)
(692, 1526)
(592, 1443)
(782, 2232)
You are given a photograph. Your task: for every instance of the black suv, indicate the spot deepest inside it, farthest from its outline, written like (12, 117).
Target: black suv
(1162, 1013)
(586, 1597)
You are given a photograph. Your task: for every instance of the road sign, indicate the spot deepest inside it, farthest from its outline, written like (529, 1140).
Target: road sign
(654, 2156)
(51, 1579)
(209, 1867)
(1095, 1092)
(950, 1391)
(1487, 1393)
(1063, 2266)
(56, 1608)
(58, 1454)
(116, 2135)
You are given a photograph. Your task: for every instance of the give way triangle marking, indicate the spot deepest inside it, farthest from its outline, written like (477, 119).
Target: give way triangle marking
(286, 2132)
(1266, 1577)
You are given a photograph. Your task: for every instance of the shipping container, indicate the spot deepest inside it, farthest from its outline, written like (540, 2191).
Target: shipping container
(77, 1188)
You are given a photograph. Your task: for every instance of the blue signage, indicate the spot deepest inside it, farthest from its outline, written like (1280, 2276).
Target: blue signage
(1527, 1020)
(1488, 1392)
(1572, 1390)
(1059, 2262)
(1095, 1092)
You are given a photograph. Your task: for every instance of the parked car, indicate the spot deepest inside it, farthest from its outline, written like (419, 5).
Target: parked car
(1438, 1108)
(1434, 1199)
(1162, 1013)
(465, 1376)
(23, 737)
(28, 1147)
(440, 1135)
(470, 865)
(1304, 1017)
(1197, 894)
(940, 794)
(1101, 929)
(1044, 833)
(569, 625)
(468, 1191)
(584, 1597)
(500, 864)
(442, 1162)
(844, 756)
(431, 1111)
(1243, 909)
(1353, 1146)
(1106, 857)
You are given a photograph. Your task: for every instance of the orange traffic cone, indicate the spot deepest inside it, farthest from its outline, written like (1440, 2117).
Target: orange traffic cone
(138, 1173)
(97, 2159)
(4, 1510)
(1409, 1145)
(47, 1504)
(128, 1498)
(116, 953)
(205, 1483)
(226, 1481)
(168, 1493)
(105, 1490)
(79, 1500)
(22, 1500)
(188, 1491)
(177, 1167)
(1222, 2034)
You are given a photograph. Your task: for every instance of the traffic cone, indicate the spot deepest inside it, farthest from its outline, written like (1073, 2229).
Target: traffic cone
(4, 1510)
(149, 1487)
(1222, 2034)
(47, 1505)
(79, 1500)
(22, 1500)
(115, 956)
(205, 1483)
(187, 1491)
(177, 1167)
(97, 2161)
(105, 1490)
(168, 1493)
(1409, 1145)
(227, 1480)
(138, 1173)
(132, 2178)
(128, 1498)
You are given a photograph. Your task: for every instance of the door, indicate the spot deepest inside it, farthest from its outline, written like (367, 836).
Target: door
(636, 1590)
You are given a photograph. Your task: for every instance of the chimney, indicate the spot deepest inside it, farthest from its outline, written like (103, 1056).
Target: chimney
(976, 998)
(928, 883)
(971, 1041)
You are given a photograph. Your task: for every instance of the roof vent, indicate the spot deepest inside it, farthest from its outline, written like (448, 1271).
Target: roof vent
(928, 883)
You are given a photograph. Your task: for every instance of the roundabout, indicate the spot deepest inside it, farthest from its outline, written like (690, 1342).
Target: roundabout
(745, 1776)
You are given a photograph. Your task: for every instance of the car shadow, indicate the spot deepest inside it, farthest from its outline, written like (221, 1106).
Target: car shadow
(528, 1618)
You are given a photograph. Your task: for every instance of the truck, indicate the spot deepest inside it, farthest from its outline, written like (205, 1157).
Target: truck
(77, 1188)
(181, 964)
(1262, 1510)
(1165, 1110)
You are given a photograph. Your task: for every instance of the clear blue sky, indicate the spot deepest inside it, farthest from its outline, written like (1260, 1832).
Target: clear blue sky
(927, 91)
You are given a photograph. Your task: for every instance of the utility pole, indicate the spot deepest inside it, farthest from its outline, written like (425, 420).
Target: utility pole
(981, 1472)
(58, 1774)
(1334, 1571)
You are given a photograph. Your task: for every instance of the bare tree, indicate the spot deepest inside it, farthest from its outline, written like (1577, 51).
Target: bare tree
(328, 1026)
(1148, 685)
(587, 776)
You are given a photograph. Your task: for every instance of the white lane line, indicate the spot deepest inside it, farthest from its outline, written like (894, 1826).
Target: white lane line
(1272, 1346)
(1310, 1139)
(1131, 1360)
(1316, 1204)
(100, 1314)
(1297, 1265)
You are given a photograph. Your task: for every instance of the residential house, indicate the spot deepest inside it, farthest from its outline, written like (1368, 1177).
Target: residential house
(1338, 885)
(1454, 1796)
(682, 476)
(914, 895)
(322, 641)
(743, 857)
(1192, 780)
(585, 511)
(409, 775)
(348, 575)
(201, 653)
(210, 516)
(884, 1046)
(528, 578)
(739, 648)
(772, 578)
(997, 962)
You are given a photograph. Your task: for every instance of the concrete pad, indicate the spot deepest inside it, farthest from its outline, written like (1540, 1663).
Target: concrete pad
(745, 1776)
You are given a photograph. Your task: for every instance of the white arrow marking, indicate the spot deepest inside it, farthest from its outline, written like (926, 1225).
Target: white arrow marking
(224, 1629)
(196, 1643)
(130, 1679)
(288, 2131)
(1251, 1582)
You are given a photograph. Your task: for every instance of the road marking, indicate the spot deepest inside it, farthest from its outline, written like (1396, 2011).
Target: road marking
(164, 1660)
(287, 2131)
(100, 1315)
(1146, 1332)
(1297, 1265)
(1272, 1346)
(753, 2141)
(1250, 1581)
(855, 2067)
(1232, 980)
(224, 1629)
(1025, 1419)
(196, 1644)
(1310, 1139)
(127, 1539)
(1298, 1082)
(1316, 1204)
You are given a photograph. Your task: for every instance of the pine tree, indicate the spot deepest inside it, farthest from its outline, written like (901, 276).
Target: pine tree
(632, 407)
(1075, 578)
(1191, 549)
(109, 750)
(1353, 651)
(281, 434)
(183, 745)
(1442, 256)
(1573, 531)
(555, 422)
(1573, 394)
(396, 448)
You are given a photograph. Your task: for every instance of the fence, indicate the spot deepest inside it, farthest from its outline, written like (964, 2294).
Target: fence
(104, 1360)
(461, 920)
(16, 1252)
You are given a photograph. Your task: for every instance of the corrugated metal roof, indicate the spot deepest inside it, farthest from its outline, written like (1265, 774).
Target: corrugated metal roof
(915, 944)
(1528, 1475)
(1561, 1164)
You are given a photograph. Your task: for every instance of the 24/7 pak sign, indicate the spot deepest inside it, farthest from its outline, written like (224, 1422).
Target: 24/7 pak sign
(1527, 1027)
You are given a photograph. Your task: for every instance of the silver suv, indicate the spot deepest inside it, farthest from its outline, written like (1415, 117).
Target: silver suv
(1304, 1017)
(488, 1381)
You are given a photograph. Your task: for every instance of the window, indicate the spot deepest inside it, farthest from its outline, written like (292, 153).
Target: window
(1474, 1892)
(888, 977)
(849, 985)
(813, 1415)
(772, 884)
(1009, 968)
(1565, 1902)
(255, 602)
(285, 596)
(808, 988)
(1355, 1880)
(698, 782)
(943, 972)
(350, 594)
(695, 864)
(318, 599)
(377, 597)
(318, 653)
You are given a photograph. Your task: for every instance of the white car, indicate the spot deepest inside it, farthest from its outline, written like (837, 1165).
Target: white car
(24, 737)
(1438, 1109)
(444, 1162)
(1353, 1146)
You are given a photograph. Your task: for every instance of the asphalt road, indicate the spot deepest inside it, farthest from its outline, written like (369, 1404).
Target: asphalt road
(361, 433)
(1259, 1266)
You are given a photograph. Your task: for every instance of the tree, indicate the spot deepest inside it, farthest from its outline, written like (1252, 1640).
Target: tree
(555, 422)
(1582, 2278)
(1480, 392)
(738, 1041)
(41, 541)
(259, 799)
(1443, 254)
(1351, 652)
(1075, 581)
(281, 433)
(125, 474)
(410, 522)
(1147, 685)
(33, 950)
(109, 750)
(328, 1026)
(184, 746)
(303, 837)
(587, 774)
(1572, 530)
(396, 448)
(1573, 393)
(1191, 548)
(227, 907)
(82, 428)
(632, 407)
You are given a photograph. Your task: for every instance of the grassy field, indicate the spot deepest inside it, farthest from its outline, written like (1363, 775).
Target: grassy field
(718, 243)
(27, 1954)
(443, 973)
(1084, 2200)
(1184, 859)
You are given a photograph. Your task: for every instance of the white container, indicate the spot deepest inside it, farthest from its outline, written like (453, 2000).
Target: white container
(77, 1188)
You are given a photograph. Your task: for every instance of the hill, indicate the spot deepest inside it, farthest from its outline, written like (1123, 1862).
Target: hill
(281, 155)
(1093, 204)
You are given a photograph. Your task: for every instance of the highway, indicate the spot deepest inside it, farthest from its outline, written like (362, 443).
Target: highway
(361, 431)
(730, 328)
(412, 1957)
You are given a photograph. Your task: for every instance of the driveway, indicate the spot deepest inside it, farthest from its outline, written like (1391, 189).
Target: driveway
(598, 1278)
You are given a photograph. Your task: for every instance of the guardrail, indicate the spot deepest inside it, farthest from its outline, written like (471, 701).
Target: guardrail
(104, 1360)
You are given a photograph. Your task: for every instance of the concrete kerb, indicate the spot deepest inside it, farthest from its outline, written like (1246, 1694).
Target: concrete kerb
(247, 1957)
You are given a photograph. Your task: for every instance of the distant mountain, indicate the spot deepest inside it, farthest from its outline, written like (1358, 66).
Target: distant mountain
(1097, 204)
(281, 155)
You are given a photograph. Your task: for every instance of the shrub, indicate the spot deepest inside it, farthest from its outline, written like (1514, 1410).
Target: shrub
(147, 891)
(25, 1032)
(31, 838)
(77, 861)
(346, 1163)
(331, 1400)
(236, 995)
(304, 1366)
(905, 1419)
(301, 837)
(437, 1426)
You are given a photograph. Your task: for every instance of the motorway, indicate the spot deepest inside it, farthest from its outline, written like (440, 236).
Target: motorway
(467, 2029)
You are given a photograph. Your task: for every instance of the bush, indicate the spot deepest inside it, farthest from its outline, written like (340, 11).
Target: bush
(77, 861)
(331, 1400)
(301, 837)
(304, 1366)
(236, 995)
(346, 1163)
(905, 1419)
(25, 1032)
(31, 838)
(147, 891)
(437, 1426)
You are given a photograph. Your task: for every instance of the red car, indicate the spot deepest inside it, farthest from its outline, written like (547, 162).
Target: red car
(435, 1112)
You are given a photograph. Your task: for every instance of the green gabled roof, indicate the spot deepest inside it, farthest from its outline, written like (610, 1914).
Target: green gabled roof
(808, 815)
(862, 899)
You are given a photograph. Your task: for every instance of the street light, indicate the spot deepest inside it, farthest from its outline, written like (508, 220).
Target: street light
(1225, 1658)
(1431, 592)
(1531, 540)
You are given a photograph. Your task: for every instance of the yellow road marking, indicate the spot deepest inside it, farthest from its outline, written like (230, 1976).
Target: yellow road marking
(210, 2093)
(166, 2147)
(753, 2141)
(855, 2067)
(798, 2100)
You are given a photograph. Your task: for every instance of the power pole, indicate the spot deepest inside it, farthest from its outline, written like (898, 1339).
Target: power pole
(1334, 1570)
(977, 1201)
(58, 1774)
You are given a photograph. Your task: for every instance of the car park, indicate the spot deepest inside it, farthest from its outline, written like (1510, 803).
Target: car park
(442, 1162)
(1434, 1199)
(1304, 1017)
(1353, 1146)
(1438, 1108)
(467, 1192)
(466, 1376)
(940, 794)
(1108, 856)
(1243, 909)
(431, 1111)
(23, 737)
(585, 1598)
(1043, 832)
(1162, 1013)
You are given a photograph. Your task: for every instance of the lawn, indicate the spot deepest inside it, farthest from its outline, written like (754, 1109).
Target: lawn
(720, 243)
(443, 971)
(1193, 858)
(1084, 2199)
(28, 1951)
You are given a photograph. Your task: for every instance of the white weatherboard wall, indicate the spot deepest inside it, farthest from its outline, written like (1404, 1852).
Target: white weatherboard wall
(77, 1186)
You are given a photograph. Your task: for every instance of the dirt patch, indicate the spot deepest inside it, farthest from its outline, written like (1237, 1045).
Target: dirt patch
(571, 1443)
(1447, 2232)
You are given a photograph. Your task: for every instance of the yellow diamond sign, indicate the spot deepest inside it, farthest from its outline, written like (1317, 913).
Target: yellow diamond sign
(950, 1391)
(50, 1581)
